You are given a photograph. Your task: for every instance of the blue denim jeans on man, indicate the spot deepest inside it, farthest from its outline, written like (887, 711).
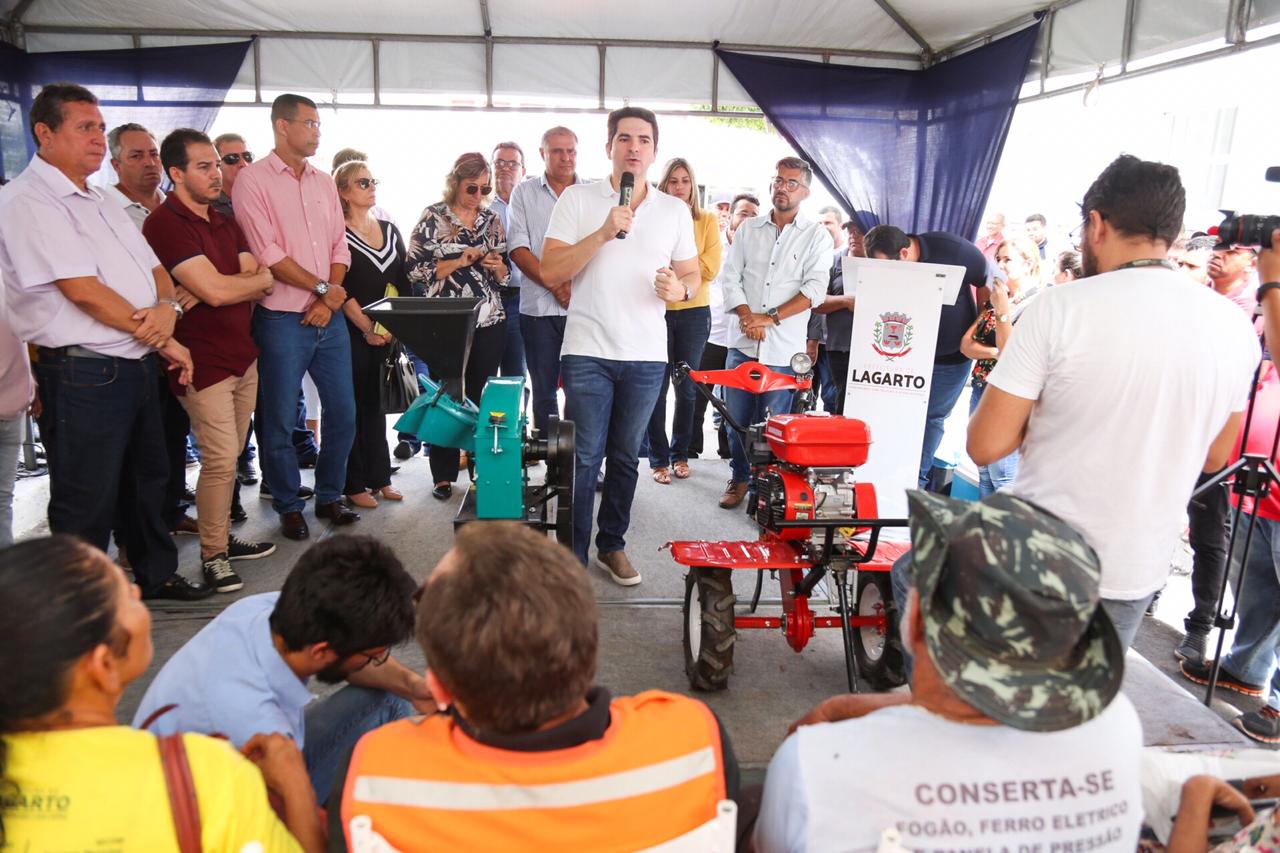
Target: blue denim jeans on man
(543, 338)
(1255, 651)
(513, 355)
(609, 402)
(944, 390)
(100, 423)
(999, 474)
(687, 332)
(289, 349)
(333, 724)
(747, 409)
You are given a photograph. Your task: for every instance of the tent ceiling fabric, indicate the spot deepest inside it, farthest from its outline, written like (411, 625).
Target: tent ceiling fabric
(433, 51)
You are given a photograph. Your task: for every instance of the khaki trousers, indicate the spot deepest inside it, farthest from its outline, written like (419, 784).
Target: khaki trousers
(220, 419)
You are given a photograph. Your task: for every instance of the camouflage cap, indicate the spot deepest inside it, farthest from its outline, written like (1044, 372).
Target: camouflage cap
(1011, 608)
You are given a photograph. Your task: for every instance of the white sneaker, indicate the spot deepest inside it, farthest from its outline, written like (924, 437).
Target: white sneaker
(618, 567)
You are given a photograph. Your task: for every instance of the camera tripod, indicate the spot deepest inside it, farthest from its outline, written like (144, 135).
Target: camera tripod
(1254, 476)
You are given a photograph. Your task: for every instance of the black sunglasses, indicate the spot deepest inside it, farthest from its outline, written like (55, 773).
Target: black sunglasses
(232, 159)
(365, 183)
(483, 190)
(378, 660)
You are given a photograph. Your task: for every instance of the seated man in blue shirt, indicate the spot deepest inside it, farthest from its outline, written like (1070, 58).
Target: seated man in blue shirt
(346, 602)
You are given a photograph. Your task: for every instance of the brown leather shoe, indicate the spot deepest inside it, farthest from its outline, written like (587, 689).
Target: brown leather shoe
(733, 494)
(337, 512)
(619, 567)
(294, 526)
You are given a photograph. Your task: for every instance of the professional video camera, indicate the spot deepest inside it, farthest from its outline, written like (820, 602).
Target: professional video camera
(1247, 229)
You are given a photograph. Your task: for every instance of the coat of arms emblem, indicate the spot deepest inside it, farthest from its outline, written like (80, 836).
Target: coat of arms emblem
(892, 334)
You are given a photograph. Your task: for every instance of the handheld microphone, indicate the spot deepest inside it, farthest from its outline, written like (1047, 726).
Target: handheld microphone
(626, 184)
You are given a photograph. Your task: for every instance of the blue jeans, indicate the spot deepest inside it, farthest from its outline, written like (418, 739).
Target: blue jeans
(748, 409)
(994, 477)
(823, 381)
(10, 444)
(513, 355)
(944, 389)
(1255, 650)
(610, 403)
(1126, 616)
(687, 332)
(108, 466)
(543, 337)
(288, 350)
(332, 726)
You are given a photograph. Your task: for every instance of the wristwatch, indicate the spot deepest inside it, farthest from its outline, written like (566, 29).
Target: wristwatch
(772, 314)
(175, 305)
(321, 288)
(1003, 318)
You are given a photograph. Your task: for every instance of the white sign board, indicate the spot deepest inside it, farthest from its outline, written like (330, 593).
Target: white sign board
(895, 330)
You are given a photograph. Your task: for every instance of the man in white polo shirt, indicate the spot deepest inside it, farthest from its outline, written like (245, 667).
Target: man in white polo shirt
(615, 338)
(1121, 388)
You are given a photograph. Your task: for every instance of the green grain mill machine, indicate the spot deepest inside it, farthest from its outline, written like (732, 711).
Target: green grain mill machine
(499, 446)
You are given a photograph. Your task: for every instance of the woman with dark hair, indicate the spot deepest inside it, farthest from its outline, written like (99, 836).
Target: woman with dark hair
(377, 270)
(688, 326)
(456, 250)
(75, 633)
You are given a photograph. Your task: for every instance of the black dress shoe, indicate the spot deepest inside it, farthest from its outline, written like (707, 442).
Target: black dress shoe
(238, 514)
(294, 526)
(337, 512)
(178, 588)
(246, 474)
(442, 491)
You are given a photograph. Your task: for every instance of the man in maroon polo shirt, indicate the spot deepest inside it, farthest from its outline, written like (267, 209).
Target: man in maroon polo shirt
(219, 280)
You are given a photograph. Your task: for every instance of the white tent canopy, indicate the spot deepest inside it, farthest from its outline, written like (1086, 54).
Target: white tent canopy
(596, 54)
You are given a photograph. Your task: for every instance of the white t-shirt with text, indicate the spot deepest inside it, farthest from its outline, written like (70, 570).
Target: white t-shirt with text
(614, 312)
(1134, 373)
(952, 786)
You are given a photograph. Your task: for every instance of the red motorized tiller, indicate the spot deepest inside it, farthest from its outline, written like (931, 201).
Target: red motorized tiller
(815, 522)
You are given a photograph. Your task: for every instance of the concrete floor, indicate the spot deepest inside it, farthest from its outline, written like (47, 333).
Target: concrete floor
(640, 631)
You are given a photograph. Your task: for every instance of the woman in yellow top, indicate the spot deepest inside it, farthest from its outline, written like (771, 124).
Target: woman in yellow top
(688, 325)
(74, 635)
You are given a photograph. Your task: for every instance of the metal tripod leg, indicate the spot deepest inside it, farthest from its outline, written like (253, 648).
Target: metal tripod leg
(841, 578)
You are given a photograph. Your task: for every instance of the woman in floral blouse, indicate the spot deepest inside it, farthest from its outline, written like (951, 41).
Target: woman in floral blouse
(1019, 259)
(457, 249)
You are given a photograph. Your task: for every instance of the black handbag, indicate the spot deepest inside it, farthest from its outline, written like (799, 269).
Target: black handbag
(399, 386)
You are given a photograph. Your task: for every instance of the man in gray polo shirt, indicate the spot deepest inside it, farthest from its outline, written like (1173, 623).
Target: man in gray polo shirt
(543, 305)
(85, 288)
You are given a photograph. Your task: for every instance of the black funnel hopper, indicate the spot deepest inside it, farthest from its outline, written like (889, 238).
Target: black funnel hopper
(437, 329)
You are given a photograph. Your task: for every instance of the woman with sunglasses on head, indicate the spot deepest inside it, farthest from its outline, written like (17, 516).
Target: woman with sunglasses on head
(74, 636)
(688, 327)
(1019, 259)
(377, 270)
(457, 249)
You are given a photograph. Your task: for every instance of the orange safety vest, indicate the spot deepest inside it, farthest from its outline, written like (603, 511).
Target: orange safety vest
(423, 784)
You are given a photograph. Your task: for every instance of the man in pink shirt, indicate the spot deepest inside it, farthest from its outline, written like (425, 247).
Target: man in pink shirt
(290, 213)
(992, 235)
(1231, 274)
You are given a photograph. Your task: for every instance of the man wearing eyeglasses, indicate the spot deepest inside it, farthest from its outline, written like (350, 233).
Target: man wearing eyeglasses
(233, 156)
(291, 215)
(776, 274)
(345, 603)
(508, 170)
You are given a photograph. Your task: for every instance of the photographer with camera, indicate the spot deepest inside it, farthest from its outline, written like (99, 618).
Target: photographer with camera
(1250, 667)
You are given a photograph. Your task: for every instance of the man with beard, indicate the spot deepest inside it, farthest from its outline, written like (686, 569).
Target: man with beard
(776, 273)
(1115, 418)
(345, 603)
(219, 280)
